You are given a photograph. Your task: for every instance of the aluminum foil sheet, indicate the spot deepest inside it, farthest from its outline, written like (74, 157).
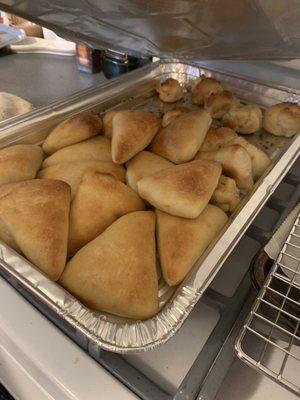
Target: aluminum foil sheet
(193, 29)
(9, 35)
(136, 89)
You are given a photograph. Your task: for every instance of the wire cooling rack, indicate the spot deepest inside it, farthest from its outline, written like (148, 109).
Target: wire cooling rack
(270, 338)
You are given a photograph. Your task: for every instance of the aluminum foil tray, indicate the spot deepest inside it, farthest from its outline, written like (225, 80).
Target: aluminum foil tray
(137, 89)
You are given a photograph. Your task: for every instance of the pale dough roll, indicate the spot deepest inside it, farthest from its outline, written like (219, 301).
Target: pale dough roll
(260, 160)
(182, 190)
(116, 272)
(72, 130)
(144, 164)
(170, 91)
(227, 194)
(19, 162)
(282, 119)
(11, 106)
(170, 115)
(72, 172)
(236, 163)
(204, 88)
(216, 138)
(34, 220)
(181, 241)
(220, 103)
(182, 138)
(132, 131)
(107, 122)
(245, 119)
(97, 148)
(98, 202)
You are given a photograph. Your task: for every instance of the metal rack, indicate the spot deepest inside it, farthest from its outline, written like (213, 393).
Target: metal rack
(274, 320)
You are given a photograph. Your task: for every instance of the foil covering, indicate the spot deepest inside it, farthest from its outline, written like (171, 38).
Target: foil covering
(136, 89)
(190, 29)
(9, 36)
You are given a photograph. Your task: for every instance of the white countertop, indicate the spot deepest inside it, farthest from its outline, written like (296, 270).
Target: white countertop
(30, 347)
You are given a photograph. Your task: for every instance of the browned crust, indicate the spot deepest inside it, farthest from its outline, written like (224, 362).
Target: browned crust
(204, 88)
(36, 213)
(170, 91)
(282, 119)
(133, 130)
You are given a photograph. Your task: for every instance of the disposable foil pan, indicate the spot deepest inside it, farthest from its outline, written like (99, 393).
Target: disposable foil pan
(136, 89)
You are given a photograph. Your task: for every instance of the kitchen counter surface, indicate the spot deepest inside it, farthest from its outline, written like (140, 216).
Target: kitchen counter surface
(42, 79)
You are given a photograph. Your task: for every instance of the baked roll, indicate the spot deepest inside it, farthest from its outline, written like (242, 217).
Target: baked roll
(72, 130)
(132, 131)
(227, 194)
(34, 221)
(182, 138)
(144, 164)
(259, 159)
(182, 241)
(170, 91)
(72, 172)
(204, 88)
(220, 103)
(107, 122)
(98, 202)
(175, 112)
(97, 148)
(236, 163)
(244, 119)
(11, 106)
(181, 190)
(116, 272)
(216, 138)
(19, 163)
(282, 119)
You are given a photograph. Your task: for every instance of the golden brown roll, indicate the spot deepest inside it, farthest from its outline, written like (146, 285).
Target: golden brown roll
(227, 194)
(34, 220)
(144, 164)
(72, 172)
(216, 138)
(19, 163)
(97, 148)
(170, 115)
(72, 130)
(204, 88)
(282, 119)
(98, 202)
(236, 163)
(170, 91)
(107, 122)
(220, 103)
(260, 160)
(132, 131)
(182, 138)
(182, 190)
(116, 272)
(244, 119)
(182, 241)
